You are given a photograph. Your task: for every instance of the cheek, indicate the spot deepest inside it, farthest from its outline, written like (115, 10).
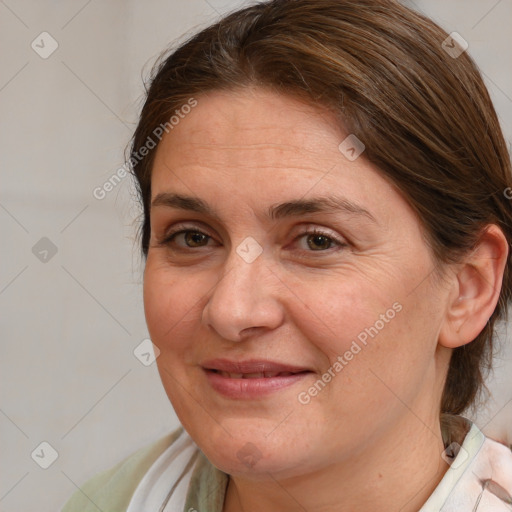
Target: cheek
(336, 311)
(370, 337)
(170, 302)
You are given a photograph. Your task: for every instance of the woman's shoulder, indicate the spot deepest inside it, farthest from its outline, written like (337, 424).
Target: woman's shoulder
(111, 490)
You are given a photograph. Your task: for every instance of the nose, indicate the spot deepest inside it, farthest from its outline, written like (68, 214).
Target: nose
(244, 300)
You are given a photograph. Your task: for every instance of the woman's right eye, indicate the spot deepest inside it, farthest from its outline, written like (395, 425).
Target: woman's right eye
(191, 238)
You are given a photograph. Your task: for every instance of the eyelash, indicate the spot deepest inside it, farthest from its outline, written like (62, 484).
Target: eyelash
(169, 238)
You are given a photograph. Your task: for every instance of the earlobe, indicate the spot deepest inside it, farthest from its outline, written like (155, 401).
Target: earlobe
(476, 289)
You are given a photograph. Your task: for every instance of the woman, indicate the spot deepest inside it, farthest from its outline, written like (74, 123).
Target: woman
(326, 234)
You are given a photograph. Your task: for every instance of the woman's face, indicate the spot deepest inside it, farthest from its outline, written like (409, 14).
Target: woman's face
(296, 260)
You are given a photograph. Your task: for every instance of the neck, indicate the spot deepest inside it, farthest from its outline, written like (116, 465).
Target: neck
(399, 472)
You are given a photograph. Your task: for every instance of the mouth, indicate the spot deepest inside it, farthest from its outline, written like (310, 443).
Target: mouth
(255, 375)
(251, 379)
(252, 368)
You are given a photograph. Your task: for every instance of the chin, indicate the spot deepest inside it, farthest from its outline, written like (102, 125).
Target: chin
(253, 455)
(252, 463)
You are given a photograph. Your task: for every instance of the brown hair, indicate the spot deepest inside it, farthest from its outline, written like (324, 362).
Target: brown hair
(424, 115)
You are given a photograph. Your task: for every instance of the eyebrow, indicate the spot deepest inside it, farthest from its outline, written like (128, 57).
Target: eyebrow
(331, 204)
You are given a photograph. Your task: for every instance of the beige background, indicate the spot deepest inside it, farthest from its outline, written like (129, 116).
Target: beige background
(70, 324)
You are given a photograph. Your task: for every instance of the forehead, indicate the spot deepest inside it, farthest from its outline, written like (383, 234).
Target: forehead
(262, 145)
(257, 122)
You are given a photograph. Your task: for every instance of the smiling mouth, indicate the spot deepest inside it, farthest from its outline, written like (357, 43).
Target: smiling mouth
(254, 375)
(252, 379)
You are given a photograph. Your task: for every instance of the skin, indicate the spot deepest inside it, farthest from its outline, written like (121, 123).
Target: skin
(370, 440)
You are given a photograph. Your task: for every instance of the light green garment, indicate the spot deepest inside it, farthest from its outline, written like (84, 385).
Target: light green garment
(111, 490)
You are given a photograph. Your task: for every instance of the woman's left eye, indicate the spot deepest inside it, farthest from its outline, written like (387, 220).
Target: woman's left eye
(316, 240)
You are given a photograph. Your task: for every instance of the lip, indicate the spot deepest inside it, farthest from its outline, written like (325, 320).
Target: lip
(241, 387)
(250, 366)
